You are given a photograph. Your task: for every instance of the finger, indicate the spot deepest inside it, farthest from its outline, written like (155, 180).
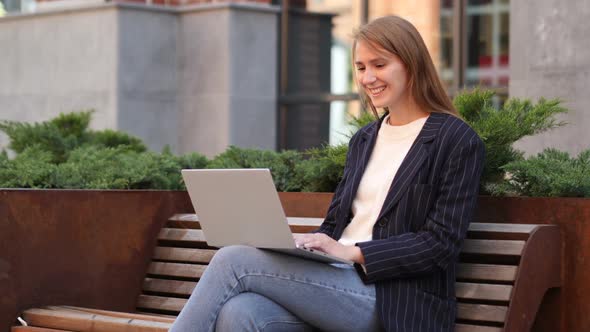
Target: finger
(301, 239)
(315, 245)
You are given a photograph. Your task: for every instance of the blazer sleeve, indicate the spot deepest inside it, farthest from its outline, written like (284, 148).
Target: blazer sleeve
(329, 224)
(438, 242)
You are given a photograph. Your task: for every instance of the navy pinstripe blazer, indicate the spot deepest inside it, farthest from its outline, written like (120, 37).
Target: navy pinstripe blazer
(419, 232)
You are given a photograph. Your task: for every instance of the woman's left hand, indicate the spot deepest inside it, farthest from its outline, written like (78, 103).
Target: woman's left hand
(322, 242)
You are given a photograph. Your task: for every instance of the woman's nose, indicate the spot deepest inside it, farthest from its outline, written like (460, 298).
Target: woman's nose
(368, 77)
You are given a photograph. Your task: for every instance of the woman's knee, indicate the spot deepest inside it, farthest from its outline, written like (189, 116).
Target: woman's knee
(254, 312)
(236, 315)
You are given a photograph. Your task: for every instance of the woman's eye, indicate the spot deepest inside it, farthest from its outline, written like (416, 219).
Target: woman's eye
(380, 65)
(360, 68)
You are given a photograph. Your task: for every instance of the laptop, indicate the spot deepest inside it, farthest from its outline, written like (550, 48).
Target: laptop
(242, 206)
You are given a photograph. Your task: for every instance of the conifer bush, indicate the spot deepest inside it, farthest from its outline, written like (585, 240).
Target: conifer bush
(501, 128)
(322, 168)
(281, 164)
(57, 136)
(550, 173)
(111, 139)
(64, 153)
(32, 168)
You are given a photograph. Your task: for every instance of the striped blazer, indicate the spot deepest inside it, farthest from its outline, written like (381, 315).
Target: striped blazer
(412, 258)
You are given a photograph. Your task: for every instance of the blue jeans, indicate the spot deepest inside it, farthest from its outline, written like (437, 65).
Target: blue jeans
(249, 289)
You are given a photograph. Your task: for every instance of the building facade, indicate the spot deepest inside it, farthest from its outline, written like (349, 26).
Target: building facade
(519, 48)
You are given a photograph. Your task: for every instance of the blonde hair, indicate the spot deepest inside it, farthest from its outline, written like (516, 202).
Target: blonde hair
(398, 36)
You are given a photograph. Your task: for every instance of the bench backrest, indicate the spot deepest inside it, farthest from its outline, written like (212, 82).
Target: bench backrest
(503, 274)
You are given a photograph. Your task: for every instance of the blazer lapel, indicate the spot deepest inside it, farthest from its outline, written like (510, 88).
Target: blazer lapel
(412, 162)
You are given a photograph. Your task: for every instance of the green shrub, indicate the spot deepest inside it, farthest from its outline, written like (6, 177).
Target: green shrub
(162, 172)
(550, 173)
(57, 136)
(500, 128)
(111, 139)
(192, 161)
(61, 135)
(64, 153)
(358, 122)
(323, 168)
(3, 159)
(285, 177)
(73, 124)
(30, 169)
(93, 167)
(281, 164)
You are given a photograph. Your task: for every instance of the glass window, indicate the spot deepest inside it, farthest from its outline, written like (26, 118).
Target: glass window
(504, 48)
(479, 40)
(446, 43)
(11, 5)
(487, 43)
(446, 4)
(478, 2)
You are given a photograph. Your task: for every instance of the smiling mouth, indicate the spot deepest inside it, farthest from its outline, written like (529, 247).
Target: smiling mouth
(376, 91)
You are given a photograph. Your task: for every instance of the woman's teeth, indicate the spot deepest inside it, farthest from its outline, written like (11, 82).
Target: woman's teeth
(376, 91)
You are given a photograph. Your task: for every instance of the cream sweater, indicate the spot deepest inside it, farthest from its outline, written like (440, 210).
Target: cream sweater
(393, 143)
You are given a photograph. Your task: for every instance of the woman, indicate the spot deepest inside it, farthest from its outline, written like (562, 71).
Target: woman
(400, 212)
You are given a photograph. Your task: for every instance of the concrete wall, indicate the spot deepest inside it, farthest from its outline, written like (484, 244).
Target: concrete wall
(253, 85)
(197, 79)
(550, 57)
(147, 76)
(54, 63)
(229, 74)
(205, 90)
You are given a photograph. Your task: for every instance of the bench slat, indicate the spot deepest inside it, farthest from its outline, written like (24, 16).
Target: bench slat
(152, 302)
(487, 272)
(316, 222)
(487, 247)
(183, 235)
(109, 313)
(184, 217)
(473, 291)
(184, 254)
(184, 288)
(475, 328)
(34, 329)
(81, 321)
(493, 247)
(299, 221)
(176, 270)
(481, 312)
(502, 228)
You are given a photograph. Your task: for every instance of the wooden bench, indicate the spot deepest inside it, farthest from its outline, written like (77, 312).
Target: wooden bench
(504, 271)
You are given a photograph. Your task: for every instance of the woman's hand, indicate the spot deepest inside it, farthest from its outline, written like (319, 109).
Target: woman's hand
(322, 242)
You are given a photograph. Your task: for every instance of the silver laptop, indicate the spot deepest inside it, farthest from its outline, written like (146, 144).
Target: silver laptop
(242, 206)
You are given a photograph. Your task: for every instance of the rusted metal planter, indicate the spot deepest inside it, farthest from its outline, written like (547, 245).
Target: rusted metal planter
(79, 247)
(91, 248)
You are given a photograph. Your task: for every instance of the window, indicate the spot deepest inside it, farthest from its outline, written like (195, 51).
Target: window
(485, 41)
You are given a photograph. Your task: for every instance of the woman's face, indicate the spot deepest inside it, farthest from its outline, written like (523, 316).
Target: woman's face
(382, 75)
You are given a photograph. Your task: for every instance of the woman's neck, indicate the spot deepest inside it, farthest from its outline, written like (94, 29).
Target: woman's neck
(405, 113)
